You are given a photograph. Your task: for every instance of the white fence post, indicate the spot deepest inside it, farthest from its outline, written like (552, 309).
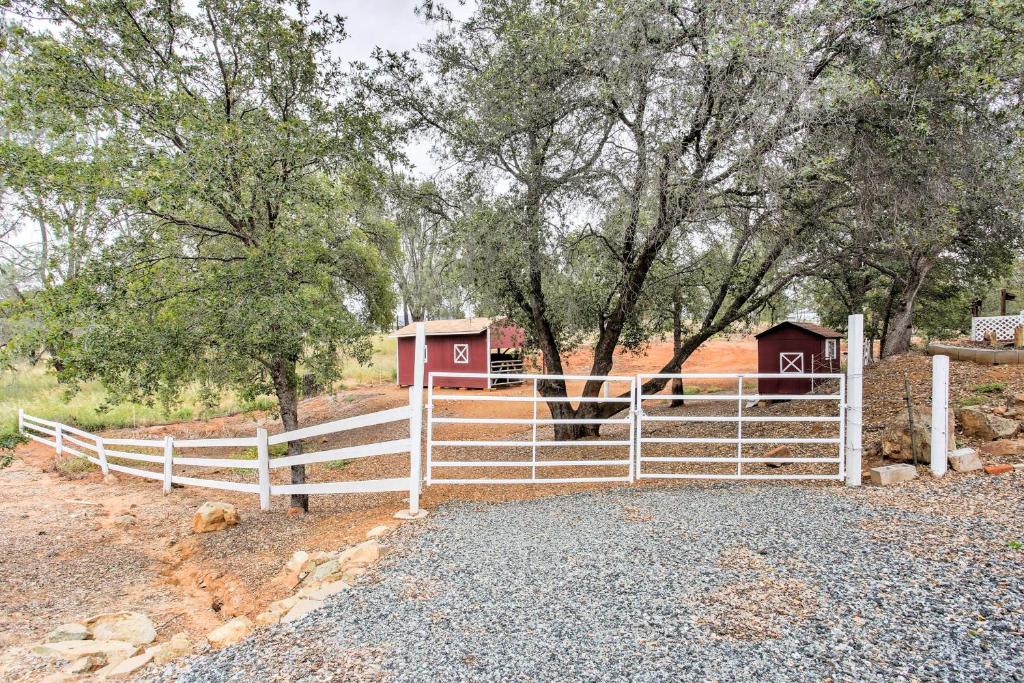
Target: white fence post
(854, 397)
(101, 453)
(58, 438)
(263, 467)
(168, 462)
(21, 420)
(416, 425)
(940, 414)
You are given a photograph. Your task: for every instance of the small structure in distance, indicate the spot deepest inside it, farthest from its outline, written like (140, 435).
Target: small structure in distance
(795, 347)
(474, 345)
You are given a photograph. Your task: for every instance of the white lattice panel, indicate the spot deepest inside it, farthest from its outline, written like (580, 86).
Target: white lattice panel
(1002, 325)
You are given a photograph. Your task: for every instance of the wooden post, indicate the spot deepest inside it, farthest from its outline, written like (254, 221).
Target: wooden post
(1018, 337)
(263, 467)
(168, 462)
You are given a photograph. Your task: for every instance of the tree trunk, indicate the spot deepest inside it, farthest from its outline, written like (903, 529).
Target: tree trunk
(677, 343)
(897, 338)
(283, 373)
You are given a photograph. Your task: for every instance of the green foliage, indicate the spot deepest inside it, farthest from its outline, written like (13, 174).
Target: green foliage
(975, 400)
(238, 162)
(1015, 545)
(73, 467)
(989, 388)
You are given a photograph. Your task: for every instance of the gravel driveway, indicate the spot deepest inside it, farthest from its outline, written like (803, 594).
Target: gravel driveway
(724, 582)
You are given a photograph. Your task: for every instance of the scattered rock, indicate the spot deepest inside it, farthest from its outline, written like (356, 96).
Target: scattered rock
(363, 553)
(324, 570)
(214, 517)
(327, 590)
(66, 632)
(276, 610)
(320, 556)
(125, 668)
(978, 422)
(892, 474)
(114, 650)
(178, 646)
(1000, 468)
(123, 521)
(301, 608)
(298, 560)
(1003, 447)
(965, 460)
(132, 627)
(782, 451)
(378, 531)
(84, 665)
(110, 479)
(230, 633)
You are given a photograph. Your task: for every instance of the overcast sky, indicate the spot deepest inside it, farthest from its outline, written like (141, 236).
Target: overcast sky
(392, 25)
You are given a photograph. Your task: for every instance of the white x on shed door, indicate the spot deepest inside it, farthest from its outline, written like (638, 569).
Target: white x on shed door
(791, 361)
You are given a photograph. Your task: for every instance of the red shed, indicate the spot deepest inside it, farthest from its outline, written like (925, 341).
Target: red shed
(466, 345)
(795, 347)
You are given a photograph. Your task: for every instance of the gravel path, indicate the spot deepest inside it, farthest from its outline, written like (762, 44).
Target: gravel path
(707, 582)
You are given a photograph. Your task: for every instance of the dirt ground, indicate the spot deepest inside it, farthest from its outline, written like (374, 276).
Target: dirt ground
(69, 549)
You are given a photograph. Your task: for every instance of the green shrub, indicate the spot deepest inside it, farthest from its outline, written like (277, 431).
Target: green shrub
(989, 388)
(975, 400)
(73, 466)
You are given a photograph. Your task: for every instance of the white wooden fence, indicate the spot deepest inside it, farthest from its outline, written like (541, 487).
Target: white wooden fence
(100, 450)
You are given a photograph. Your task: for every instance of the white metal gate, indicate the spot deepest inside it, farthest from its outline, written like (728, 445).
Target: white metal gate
(617, 434)
(744, 415)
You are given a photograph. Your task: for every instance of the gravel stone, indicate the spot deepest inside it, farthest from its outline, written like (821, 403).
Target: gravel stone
(727, 582)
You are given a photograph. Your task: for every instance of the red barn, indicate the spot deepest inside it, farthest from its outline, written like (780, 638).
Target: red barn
(467, 345)
(795, 347)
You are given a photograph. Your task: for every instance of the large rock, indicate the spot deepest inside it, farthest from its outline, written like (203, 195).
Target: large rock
(1003, 448)
(297, 562)
(896, 443)
(126, 668)
(361, 554)
(66, 632)
(178, 646)
(979, 422)
(892, 474)
(964, 460)
(230, 633)
(132, 627)
(214, 517)
(115, 651)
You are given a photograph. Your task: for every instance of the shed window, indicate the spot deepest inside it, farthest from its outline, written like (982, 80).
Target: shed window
(791, 361)
(461, 353)
(830, 349)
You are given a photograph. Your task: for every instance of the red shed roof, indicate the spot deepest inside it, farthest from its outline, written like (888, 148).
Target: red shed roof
(436, 327)
(813, 328)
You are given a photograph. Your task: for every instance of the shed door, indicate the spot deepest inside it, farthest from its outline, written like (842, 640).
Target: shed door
(791, 361)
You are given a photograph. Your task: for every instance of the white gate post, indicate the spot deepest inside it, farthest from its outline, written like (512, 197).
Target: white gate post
(263, 467)
(854, 397)
(168, 462)
(940, 414)
(101, 453)
(416, 430)
(21, 420)
(58, 439)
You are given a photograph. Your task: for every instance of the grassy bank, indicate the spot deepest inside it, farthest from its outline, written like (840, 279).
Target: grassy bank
(37, 391)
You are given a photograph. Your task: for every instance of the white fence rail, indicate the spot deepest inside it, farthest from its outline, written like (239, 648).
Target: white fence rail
(740, 418)
(99, 450)
(538, 465)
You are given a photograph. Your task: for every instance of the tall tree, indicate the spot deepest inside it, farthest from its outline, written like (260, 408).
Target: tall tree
(238, 156)
(601, 132)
